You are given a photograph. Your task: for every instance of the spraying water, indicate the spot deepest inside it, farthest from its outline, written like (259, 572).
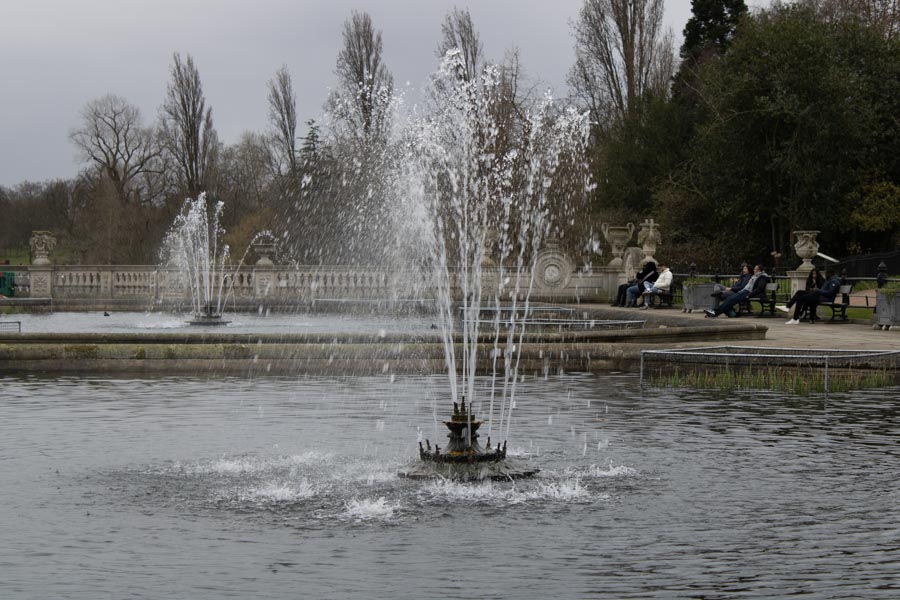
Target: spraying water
(484, 185)
(194, 247)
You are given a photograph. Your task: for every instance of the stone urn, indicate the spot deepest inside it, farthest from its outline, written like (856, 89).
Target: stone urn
(42, 242)
(264, 248)
(617, 237)
(648, 238)
(806, 248)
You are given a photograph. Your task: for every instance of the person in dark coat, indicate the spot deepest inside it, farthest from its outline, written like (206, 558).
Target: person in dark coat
(810, 300)
(756, 286)
(633, 291)
(723, 292)
(649, 268)
(814, 282)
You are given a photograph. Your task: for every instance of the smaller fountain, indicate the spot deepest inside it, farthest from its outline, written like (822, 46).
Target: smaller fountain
(194, 248)
(464, 459)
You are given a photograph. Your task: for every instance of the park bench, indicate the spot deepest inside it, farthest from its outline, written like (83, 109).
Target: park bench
(839, 305)
(766, 301)
(666, 298)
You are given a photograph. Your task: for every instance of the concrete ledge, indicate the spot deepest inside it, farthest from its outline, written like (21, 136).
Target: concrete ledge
(345, 353)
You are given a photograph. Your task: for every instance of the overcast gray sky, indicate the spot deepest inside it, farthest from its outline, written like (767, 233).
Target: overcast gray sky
(55, 55)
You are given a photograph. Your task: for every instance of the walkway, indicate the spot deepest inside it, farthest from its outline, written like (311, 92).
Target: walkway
(850, 336)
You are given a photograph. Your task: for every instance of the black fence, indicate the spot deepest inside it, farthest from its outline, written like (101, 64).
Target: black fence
(866, 265)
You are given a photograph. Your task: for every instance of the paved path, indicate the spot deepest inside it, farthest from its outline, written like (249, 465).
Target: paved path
(849, 336)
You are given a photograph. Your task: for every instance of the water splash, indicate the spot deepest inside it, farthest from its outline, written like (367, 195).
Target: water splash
(194, 249)
(366, 509)
(481, 192)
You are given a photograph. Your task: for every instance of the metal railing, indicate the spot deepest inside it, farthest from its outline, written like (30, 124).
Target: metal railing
(729, 357)
(11, 326)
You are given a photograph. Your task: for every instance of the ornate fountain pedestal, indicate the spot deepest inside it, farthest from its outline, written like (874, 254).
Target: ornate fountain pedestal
(464, 459)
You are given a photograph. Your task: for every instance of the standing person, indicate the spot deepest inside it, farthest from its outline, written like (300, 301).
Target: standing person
(662, 284)
(756, 286)
(635, 290)
(810, 300)
(814, 282)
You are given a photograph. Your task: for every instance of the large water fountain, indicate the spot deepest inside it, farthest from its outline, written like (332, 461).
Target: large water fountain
(484, 199)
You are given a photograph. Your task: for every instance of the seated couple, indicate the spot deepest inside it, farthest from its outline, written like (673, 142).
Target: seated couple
(723, 292)
(755, 287)
(647, 274)
(816, 292)
(648, 286)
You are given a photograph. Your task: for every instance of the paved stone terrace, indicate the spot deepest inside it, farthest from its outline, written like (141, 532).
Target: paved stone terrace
(855, 335)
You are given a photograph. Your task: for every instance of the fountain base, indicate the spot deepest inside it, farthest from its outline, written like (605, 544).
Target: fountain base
(498, 470)
(208, 317)
(464, 459)
(208, 320)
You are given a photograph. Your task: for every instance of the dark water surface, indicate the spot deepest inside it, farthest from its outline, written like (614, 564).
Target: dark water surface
(286, 488)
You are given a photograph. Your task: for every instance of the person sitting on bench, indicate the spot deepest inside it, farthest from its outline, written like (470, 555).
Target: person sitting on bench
(661, 285)
(723, 292)
(810, 300)
(756, 286)
(649, 268)
(635, 290)
(814, 282)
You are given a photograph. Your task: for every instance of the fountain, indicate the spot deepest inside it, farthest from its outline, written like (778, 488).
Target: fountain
(464, 459)
(193, 245)
(488, 197)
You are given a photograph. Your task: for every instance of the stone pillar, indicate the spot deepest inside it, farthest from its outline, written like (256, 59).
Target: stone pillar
(648, 238)
(264, 271)
(41, 270)
(618, 238)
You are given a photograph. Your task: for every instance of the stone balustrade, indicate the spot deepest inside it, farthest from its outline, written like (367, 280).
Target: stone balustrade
(102, 285)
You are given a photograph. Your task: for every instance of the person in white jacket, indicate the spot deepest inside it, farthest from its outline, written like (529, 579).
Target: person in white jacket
(662, 284)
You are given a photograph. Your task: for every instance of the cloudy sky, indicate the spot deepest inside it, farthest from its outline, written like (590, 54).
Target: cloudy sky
(55, 55)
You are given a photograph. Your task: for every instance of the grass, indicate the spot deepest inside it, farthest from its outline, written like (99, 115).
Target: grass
(781, 379)
(15, 256)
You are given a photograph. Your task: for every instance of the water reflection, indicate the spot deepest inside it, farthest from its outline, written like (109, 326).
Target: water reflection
(225, 487)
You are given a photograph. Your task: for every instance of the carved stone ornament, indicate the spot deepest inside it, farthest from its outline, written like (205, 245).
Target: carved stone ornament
(806, 247)
(552, 268)
(42, 242)
(617, 237)
(648, 238)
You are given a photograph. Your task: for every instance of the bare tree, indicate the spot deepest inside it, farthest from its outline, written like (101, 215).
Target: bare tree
(884, 15)
(621, 54)
(283, 117)
(362, 100)
(458, 32)
(112, 137)
(187, 127)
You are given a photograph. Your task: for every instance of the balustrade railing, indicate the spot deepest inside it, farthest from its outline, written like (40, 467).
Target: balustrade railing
(155, 285)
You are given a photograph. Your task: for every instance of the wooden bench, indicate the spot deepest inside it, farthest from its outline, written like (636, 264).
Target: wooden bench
(766, 301)
(839, 305)
(666, 298)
